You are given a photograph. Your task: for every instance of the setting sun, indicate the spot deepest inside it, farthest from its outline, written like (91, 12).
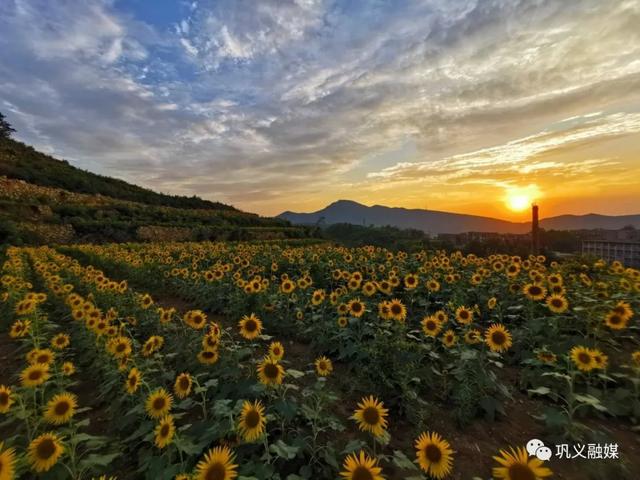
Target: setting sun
(519, 199)
(517, 203)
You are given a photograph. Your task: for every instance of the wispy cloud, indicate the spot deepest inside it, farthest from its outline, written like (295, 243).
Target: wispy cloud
(256, 103)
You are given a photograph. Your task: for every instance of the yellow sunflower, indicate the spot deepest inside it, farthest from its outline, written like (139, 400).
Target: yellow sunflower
(182, 387)
(533, 291)
(449, 338)
(600, 360)
(217, 464)
(164, 431)
(324, 366)
(60, 408)
(623, 309)
(557, 303)
(208, 357)
(35, 375)
(119, 347)
(210, 341)
(635, 358)
(441, 316)
(498, 338)
(44, 356)
(491, 303)
(318, 297)
(68, 369)
(547, 357)
(20, 328)
(60, 341)
(616, 321)
(159, 403)
(250, 326)
(270, 372)
(7, 463)
(133, 380)
(582, 358)
(517, 466)
(431, 326)
(434, 454)
(6, 399)
(343, 321)
(411, 281)
(356, 307)
(276, 350)
(196, 319)
(433, 285)
(464, 315)
(45, 451)
(370, 416)
(361, 467)
(252, 421)
(397, 310)
(473, 336)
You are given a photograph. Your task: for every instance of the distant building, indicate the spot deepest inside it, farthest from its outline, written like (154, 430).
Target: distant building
(622, 245)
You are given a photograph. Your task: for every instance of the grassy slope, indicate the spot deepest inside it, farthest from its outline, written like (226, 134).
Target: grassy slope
(100, 208)
(18, 160)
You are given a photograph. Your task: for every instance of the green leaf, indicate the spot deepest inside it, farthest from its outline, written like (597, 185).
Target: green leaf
(402, 461)
(295, 373)
(283, 450)
(352, 446)
(95, 459)
(540, 390)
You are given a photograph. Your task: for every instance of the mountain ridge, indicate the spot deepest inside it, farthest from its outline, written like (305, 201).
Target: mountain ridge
(437, 222)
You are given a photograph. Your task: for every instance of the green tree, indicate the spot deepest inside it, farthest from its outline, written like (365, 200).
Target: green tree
(5, 128)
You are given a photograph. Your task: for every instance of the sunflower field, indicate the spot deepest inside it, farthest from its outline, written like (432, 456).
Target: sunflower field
(290, 361)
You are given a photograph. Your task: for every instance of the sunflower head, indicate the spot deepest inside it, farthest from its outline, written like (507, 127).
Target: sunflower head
(557, 303)
(45, 451)
(133, 380)
(217, 464)
(7, 462)
(324, 367)
(276, 350)
(6, 399)
(252, 421)
(164, 431)
(270, 372)
(515, 465)
(371, 416)
(582, 358)
(250, 326)
(431, 326)
(159, 403)
(182, 387)
(498, 338)
(35, 375)
(361, 467)
(60, 408)
(60, 341)
(434, 454)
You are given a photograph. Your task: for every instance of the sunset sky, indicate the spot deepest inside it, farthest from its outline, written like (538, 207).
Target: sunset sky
(273, 105)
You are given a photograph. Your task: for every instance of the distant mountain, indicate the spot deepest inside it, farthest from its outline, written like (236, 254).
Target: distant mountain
(434, 222)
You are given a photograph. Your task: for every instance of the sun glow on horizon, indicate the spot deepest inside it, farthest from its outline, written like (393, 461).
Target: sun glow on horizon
(518, 199)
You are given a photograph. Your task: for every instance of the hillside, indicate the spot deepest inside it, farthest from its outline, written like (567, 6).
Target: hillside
(44, 200)
(23, 162)
(435, 222)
